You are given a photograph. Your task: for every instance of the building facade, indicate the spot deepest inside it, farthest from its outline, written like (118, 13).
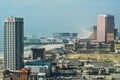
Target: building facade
(13, 43)
(95, 32)
(39, 67)
(105, 28)
(38, 53)
(22, 74)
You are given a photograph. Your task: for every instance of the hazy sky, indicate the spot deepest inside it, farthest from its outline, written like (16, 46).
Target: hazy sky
(44, 17)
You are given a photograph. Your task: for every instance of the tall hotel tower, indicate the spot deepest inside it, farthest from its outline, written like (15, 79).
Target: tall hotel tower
(105, 28)
(13, 43)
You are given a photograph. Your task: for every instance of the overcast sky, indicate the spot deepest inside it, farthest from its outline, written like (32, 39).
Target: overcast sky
(45, 17)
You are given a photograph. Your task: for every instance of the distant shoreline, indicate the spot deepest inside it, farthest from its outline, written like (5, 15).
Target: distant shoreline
(27, 50)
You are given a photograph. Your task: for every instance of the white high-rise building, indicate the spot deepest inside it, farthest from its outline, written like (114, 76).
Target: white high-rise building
(13, 43)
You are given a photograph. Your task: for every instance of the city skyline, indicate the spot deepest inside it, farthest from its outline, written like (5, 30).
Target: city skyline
(42, 18)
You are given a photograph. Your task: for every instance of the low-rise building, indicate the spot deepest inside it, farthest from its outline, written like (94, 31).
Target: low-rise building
(41, 76)
(22, 74)
(117, 48)
(70, 46)
(33, 76)
(38, 53)
(3, 74)
(39, 67)
(7, 77)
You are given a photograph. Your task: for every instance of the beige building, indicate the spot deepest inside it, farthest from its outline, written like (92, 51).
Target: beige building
(105, 28)
(117, 48)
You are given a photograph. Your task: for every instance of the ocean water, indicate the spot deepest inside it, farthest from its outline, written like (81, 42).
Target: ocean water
(1, 45)
(1, 49)
(1, 41)
(26, 47)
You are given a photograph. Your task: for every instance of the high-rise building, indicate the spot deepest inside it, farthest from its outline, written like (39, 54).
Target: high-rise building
(115, 33)
(94, 35)
(13, 43)
(105, 28)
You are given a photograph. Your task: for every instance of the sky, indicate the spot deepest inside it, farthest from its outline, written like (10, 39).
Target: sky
(45, 17)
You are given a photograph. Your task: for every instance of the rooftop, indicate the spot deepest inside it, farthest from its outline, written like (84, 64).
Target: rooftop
(37, 63)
